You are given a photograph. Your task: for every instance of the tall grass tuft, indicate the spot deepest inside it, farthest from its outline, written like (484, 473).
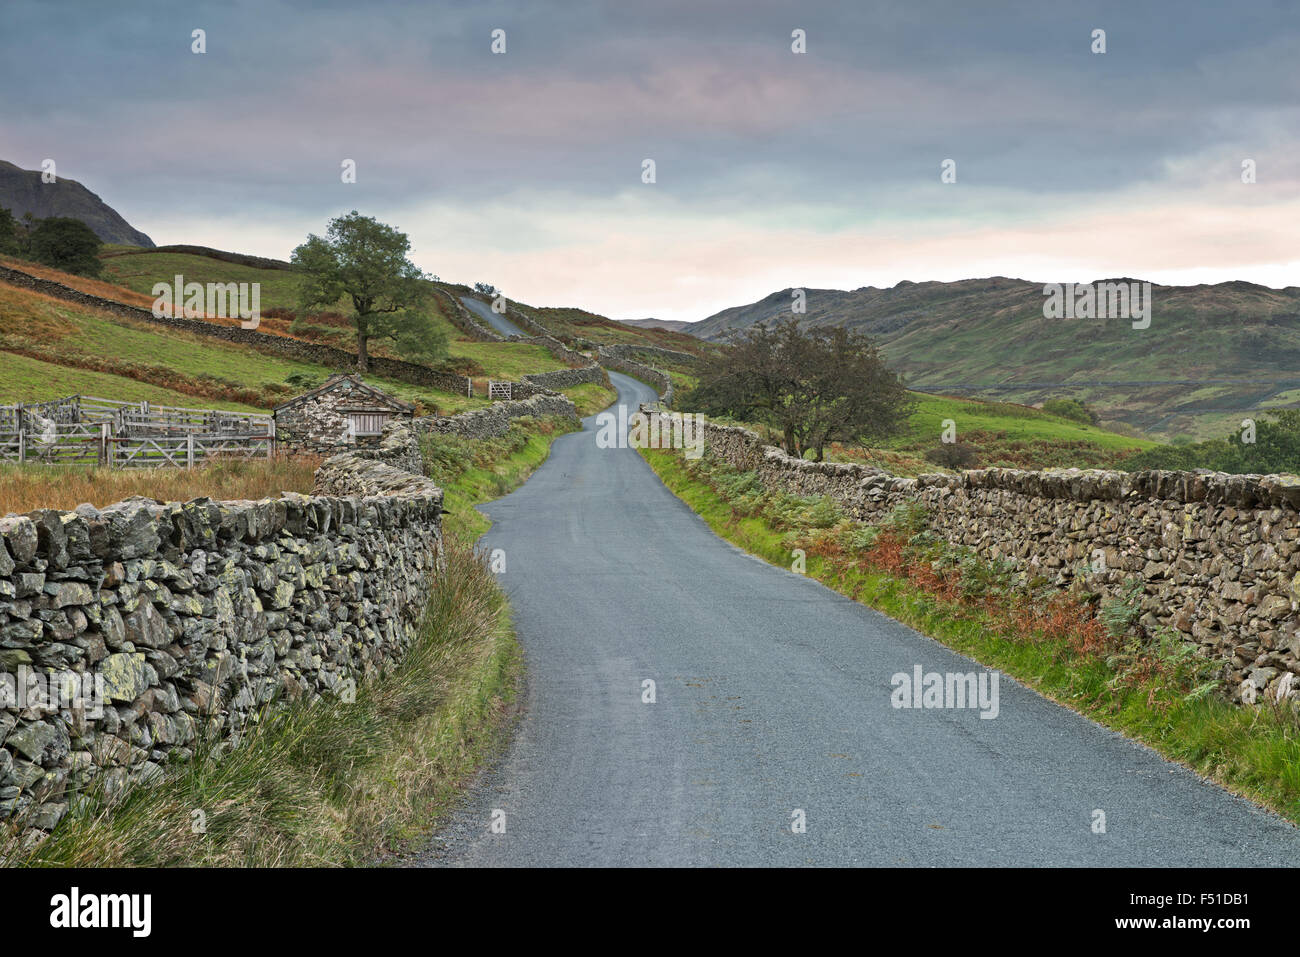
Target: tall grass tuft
(27, 487)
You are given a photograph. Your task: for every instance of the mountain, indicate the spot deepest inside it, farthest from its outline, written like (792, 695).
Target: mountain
(672, 325)
(1212, 355)
(21, 191)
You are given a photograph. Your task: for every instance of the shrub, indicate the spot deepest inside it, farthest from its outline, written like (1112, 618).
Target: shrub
(909, 517)
(952, 455)
(1071, 409)
(66, 244)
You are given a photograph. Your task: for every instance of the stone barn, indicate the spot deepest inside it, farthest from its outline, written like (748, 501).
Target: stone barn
(344, 411)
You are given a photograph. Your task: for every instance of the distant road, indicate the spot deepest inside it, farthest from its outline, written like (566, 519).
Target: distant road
(773, 695)
(498, 322)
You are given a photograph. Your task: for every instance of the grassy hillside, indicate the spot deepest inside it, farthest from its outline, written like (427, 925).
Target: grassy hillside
(1211, 354)
(50, 347)
(138, 270)
(30, 380)
(135, 271)
(578, 323)
(117, 358)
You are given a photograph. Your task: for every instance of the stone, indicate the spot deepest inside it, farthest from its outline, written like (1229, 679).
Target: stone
(19, 534)
(63, 594)
(126, 676)
(147, 627)
(32, 740)
(48, 815)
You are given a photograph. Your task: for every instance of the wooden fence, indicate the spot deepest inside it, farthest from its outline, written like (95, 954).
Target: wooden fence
(87, 430)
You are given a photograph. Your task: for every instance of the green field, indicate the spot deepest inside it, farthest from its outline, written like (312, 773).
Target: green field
(1018, 423)
(139, 271)
(29, 380)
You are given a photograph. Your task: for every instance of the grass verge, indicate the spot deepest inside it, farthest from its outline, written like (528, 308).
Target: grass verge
(1083, 655)
(590, 398)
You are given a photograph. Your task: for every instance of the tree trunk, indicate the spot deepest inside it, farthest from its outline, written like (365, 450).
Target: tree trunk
(363, 357)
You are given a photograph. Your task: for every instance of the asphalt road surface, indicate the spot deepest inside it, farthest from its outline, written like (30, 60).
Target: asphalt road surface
(773, 705)
(498, 322)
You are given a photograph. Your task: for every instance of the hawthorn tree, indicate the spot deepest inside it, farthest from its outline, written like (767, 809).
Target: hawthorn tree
(66, 244)
(366, 261)
(813, 386)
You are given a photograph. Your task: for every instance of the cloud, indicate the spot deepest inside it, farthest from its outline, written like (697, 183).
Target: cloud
(773, 169)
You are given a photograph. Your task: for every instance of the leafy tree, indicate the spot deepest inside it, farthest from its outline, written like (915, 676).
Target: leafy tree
(66, 244)
(1276, 448)
(1071, 409)
(814, 386)
(8, 232)
(365, 260)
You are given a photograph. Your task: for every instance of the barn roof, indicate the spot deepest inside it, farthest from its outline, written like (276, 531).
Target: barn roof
(355, 387)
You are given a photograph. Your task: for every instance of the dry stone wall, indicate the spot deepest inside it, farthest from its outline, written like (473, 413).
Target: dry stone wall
(193, 616)
(1218, 555)
(632, 350)
(495, 419)
(564, 379)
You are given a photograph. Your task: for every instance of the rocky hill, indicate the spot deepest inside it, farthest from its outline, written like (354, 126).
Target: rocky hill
(21, 191)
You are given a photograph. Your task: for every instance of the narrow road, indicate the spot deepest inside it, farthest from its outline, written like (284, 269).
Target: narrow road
(773, 697)
(498, 322)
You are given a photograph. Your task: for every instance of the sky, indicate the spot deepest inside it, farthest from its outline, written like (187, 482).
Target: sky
(773, 169)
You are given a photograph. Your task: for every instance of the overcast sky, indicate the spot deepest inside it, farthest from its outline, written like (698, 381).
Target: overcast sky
(774, 169)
